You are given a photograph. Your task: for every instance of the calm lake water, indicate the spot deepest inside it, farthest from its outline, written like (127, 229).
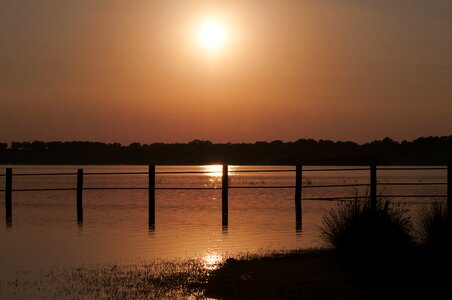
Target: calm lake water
(44, 231)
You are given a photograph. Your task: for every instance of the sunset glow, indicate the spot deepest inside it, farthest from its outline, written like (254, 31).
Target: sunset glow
(224, 71)
(166, 149)
(212, 34)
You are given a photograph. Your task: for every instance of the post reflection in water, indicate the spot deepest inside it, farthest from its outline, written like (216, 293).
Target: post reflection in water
(224, 229)
(298, 222)
(79, 227)
(224, 221)
(151, 229)
(298, 228)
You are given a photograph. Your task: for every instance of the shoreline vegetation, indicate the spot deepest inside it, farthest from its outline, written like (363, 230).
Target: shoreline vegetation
(373, 253)
(323, 274)
(298, 274)
(423, 150)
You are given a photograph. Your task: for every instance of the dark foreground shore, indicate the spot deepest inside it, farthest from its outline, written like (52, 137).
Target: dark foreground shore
(303, 274)
(297, 275)
(321, 274)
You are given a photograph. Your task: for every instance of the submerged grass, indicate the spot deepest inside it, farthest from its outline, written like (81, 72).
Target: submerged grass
(138, 281)
(157, 280)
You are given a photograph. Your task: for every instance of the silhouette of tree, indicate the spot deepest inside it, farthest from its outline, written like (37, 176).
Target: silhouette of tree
(423, 150)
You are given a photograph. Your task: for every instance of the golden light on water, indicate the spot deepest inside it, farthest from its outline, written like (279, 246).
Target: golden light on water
(213, 170)
(212, 260)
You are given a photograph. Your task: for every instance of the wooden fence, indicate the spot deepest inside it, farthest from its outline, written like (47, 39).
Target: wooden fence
(298, 188)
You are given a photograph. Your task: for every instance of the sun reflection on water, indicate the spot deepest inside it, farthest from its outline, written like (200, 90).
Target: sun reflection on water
(215, 174)
(213, 170)
(212, 260)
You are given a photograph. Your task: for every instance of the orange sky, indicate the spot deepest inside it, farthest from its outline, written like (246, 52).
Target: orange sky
(124, 71)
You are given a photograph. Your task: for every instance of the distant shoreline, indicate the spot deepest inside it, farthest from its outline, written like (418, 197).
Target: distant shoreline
(421, 151)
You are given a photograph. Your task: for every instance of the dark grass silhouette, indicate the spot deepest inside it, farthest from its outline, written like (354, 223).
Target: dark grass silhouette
(435, 237)
(379, 248)
(375, 246)
(356, 232)
(434, 230)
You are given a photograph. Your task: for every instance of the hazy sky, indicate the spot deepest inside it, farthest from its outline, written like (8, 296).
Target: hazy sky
(124, 71)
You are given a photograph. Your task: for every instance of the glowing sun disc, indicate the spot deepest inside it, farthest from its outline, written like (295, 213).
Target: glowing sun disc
(212, 34)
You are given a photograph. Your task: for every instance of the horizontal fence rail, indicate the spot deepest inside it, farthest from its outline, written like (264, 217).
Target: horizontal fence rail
(411, 168)
(225, 173)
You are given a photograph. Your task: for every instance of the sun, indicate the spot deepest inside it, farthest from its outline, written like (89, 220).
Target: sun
(212, 34)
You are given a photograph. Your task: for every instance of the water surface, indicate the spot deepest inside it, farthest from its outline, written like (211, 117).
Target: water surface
(44, 230)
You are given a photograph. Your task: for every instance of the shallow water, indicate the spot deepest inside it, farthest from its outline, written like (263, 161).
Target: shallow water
(45, 233)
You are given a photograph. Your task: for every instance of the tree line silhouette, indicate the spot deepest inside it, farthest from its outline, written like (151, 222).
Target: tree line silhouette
(423, 150)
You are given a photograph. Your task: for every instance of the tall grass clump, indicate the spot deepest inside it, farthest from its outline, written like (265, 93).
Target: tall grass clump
(435, 235)
(356, 232)
(434, 230)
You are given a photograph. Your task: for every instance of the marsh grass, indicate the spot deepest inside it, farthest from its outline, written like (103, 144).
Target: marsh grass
(376, 245)
(355, 232)
(434, 231)
(144, 280)
(371, 255)
(164, 280)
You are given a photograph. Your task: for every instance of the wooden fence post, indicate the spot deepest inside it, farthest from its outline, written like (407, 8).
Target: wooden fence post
(151, 196)
(224, 196)
(9, 196)
(80, 196)
(373, 188)
(449, 193)
(298, 184)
